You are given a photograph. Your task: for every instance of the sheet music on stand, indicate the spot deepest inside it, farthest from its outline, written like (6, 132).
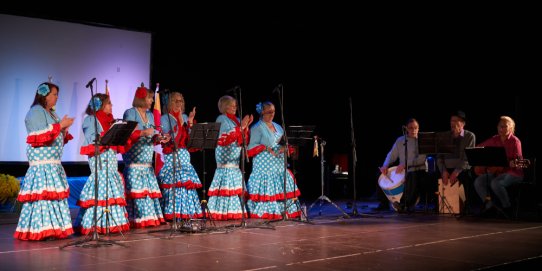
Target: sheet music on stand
(300, 134)
(435, 142)
(204, 135)
(119, 133)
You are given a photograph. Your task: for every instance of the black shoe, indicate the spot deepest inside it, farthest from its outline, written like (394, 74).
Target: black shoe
(399, 207)
(488, 212)
(50, 238)
(508, 212)
(382, 207)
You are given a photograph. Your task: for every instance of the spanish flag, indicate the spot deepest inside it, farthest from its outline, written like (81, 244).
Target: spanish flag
(157, 113)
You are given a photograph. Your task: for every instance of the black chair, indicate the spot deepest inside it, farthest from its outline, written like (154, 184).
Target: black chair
(528, 184)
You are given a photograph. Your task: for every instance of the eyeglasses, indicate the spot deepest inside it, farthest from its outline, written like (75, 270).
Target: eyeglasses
(179, 101)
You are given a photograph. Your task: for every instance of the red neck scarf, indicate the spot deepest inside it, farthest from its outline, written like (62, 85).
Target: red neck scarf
(233, 118)
(105, 119)
(178, 128)
(177, 117)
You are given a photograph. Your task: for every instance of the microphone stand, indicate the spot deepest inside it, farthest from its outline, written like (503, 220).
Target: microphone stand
(323, 198)
(280, 92)
(244, 156)
(354, 159)
(173, 191)
(354, 164)
(98, 242)
(407, 186)
(173, 229)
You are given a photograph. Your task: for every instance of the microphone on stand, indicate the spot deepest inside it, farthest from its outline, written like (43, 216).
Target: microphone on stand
(277, 88)
(233, 89)
(404, 130)
(90, 82)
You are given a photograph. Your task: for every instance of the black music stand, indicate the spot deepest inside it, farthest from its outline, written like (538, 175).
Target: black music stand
(117, 135)
(488, 157)
(204, 136)
(435, 143)
(299, 135)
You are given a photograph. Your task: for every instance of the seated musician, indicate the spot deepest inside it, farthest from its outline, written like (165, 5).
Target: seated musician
(454, 166)
(500, 178)
(417, 166)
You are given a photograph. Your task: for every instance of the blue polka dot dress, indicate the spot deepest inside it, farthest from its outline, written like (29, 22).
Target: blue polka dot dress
(226, 188)
(110, 189)
(45, 212)
(186, 181)
(142, 190)
(266, 182)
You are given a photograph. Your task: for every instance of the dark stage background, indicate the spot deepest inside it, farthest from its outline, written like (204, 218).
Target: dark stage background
(436, 64)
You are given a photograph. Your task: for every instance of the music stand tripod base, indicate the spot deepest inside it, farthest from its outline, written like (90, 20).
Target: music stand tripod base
(323, 199)
(90, 242)
(117, 135)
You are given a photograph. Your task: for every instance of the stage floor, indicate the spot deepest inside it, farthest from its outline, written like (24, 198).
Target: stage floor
(374, 241)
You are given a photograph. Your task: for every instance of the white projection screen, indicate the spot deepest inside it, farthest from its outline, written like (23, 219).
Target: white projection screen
(33, 49)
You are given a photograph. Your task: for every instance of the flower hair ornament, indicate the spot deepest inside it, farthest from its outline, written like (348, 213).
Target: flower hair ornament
(259, 108)
(141, 92)
(95, 103)
(43, 89)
